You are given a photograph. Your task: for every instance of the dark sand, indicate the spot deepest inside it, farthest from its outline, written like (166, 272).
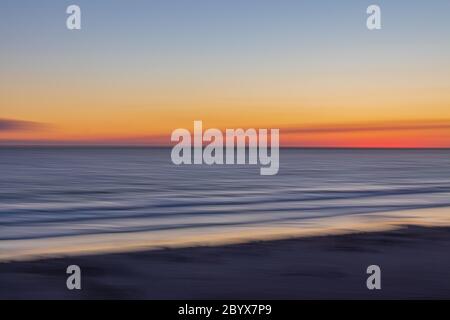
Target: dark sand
(415, 263)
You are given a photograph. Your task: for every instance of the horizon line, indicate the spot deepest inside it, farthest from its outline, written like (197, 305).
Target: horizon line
(169, 147)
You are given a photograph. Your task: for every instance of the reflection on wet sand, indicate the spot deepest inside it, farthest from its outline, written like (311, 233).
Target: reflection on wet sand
(136, 241)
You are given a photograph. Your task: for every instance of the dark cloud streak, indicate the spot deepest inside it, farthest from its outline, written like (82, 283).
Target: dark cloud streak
(20, 125)
(387, 126)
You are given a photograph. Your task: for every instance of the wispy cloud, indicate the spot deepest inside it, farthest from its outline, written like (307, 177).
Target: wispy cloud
(374, 126)
(20, 125)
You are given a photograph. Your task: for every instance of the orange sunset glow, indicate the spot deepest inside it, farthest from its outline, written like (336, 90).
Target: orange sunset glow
(389, 89)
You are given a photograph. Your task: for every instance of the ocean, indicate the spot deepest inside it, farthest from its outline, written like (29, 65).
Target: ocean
(65, 200)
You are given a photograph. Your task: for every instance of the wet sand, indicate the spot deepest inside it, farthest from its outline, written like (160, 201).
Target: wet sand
(415, 263)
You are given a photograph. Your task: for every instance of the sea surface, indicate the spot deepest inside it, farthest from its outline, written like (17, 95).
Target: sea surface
(62, 200)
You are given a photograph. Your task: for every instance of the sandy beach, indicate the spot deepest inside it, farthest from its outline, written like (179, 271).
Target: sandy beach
(414, 262)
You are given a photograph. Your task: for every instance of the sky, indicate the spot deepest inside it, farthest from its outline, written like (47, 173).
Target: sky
(140, 69)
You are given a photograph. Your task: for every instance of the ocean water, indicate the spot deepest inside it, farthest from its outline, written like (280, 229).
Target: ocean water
(74, 199)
